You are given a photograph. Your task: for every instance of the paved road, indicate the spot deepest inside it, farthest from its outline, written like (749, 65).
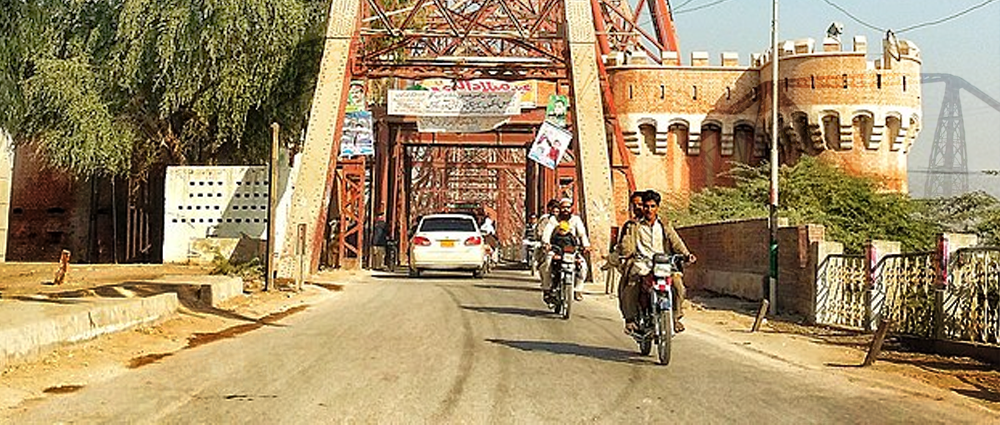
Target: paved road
(451, 349)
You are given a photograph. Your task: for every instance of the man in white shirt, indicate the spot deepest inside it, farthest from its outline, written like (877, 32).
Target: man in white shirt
(577, 229)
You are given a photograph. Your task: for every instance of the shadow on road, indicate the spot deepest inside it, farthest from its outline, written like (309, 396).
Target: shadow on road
(510, 288)
(515, 311)
(573, 349)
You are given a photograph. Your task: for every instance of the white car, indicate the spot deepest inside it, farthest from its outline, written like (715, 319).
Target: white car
(447, 242)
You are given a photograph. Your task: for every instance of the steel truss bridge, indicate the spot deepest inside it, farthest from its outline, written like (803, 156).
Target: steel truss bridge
(412, 173)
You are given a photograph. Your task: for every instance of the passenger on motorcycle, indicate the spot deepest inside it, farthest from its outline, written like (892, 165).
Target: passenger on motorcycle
(578, 231)
(549, 218)
(648, 237)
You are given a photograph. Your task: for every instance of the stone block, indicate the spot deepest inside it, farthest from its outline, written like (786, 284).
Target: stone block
(699, 59)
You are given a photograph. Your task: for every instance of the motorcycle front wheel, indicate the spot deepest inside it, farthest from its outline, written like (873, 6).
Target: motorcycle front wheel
(664, 336)
(567, 300)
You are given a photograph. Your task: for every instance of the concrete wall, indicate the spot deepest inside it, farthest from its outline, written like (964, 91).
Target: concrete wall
(217, 210)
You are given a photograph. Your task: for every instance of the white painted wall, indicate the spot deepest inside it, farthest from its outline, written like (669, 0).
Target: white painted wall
(206, 203)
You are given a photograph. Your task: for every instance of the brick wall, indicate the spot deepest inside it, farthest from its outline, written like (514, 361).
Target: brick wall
(733, 260)
(732, 257)
(43, 218)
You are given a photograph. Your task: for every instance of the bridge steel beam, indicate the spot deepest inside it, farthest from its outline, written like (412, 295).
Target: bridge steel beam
(315, 180)
(592, 162)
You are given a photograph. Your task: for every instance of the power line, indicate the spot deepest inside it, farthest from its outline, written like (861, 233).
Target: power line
(911, 27)
(704, 6)
(854, 18)
(946, 19)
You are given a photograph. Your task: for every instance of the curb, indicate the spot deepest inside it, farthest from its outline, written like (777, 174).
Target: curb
(30, 339)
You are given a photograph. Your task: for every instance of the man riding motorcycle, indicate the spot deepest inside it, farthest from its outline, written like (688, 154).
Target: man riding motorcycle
(577, 230)
(649, 236)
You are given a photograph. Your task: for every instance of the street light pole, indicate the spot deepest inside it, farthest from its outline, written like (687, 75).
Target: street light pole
(773, 217)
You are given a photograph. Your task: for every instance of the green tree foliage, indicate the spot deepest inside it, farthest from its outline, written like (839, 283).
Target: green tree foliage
(975, 212)
(111, 86)
(853, 209)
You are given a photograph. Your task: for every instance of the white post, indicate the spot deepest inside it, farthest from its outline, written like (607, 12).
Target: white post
(773, 221)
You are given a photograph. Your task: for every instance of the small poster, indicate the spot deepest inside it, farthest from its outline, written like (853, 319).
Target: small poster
(357, 137)
(555, 112)
(550, 144)
(356, 97)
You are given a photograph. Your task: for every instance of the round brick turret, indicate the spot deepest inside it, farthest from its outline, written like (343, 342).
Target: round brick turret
(687, 125)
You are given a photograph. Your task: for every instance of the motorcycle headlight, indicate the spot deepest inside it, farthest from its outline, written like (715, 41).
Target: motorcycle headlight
(662, 270)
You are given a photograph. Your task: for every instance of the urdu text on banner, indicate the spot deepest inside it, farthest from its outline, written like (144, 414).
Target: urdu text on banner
(452, 104)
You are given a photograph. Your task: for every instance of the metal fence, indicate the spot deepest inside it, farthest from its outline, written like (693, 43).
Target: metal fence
(906, 289)
(971, 310)
(903, 291)
(841, 297)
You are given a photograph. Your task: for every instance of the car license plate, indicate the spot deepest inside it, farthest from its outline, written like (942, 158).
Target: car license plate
(447, 244)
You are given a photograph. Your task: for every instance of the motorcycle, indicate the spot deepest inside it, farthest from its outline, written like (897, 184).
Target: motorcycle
(530, 248)
(656, 304)
(563, 267)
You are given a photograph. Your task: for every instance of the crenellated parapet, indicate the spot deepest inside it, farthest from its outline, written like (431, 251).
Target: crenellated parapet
(833, 103)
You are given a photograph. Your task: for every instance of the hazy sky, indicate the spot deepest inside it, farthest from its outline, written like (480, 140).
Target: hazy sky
(967, 46)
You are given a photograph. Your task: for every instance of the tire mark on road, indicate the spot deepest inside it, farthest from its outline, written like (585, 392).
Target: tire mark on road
(637, 374)
(501, 390)
(464, 364)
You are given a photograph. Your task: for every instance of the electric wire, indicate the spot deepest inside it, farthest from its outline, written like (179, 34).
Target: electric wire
(911, 27)
(697, 8)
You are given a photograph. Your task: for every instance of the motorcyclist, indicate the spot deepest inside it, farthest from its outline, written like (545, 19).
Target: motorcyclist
(578, 231)
(650, 236)
(549, 218)
(551, 211)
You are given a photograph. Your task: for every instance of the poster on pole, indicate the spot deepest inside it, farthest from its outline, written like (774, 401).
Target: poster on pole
(550, 144)
(555, 112)
(357, 138)
(356, 97)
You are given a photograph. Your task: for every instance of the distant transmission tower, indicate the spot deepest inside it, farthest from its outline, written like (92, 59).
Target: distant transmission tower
(948, 171)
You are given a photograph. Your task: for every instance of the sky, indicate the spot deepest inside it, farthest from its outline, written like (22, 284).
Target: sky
(967, 46)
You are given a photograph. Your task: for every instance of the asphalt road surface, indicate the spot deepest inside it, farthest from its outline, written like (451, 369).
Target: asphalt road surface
(450, 349)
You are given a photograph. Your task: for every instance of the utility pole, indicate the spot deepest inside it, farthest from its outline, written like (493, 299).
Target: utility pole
(272, 205)
(772, 222)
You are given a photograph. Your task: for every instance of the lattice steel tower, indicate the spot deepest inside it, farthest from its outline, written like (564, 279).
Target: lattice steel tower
(948, 171)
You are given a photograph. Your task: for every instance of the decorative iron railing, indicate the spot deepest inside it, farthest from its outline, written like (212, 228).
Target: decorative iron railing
(971, 310)
(903, 287)
(841, 293)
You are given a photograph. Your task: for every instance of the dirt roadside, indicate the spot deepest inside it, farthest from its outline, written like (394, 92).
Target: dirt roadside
(73, 367)
(843, 351)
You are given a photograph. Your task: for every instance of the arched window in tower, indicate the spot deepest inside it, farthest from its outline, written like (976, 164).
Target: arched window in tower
(831, 131)
(862, 124)
(648, 132)
(678, 133)
(892, 128)
(800, 124)
(743, 143)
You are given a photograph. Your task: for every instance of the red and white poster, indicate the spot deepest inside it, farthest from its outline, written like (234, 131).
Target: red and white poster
(550, 144)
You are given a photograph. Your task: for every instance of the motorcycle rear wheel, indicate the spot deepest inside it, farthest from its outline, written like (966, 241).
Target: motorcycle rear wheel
(646, 347)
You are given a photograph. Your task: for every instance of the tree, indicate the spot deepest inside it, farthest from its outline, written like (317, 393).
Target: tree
(853, 209)
(108, 87)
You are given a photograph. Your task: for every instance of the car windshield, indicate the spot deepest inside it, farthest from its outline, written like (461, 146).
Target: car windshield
(447, 224)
